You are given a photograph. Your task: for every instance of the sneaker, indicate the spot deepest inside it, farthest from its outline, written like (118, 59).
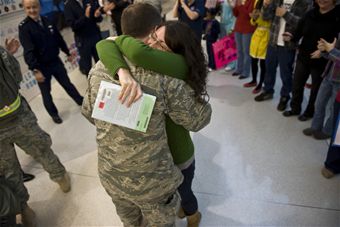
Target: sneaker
(250, 84)
(290, 113)
(228, 69)
(320, 135)
(28, 217)
(308, 131)
(242, 77)
(327, 173)
(263, 96)
(57, 119)
(283, 103)
(235, 74)
(65, 183)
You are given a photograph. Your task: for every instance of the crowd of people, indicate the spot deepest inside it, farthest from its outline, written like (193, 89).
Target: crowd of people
(142, 172)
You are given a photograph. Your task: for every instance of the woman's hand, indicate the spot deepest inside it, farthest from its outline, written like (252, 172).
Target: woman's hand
(315, 55)
(131, 90)
(323, 45)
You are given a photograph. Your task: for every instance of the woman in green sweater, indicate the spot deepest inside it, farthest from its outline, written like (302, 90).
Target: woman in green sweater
(173, 51)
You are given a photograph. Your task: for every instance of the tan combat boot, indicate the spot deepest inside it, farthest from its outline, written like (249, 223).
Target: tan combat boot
(194, 220)
(28, 217)
(65, 183)
(180, 213)
(326, 173)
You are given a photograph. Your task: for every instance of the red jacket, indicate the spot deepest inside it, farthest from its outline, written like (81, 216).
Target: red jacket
(241, 12)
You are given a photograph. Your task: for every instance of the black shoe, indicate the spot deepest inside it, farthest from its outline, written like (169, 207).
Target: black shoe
(235, 74)
(290, 113)
(263, 96)
(283, 103)
(242, 77)
(320, 135)
(80, 102)
(308, 132)
(304, 117)
(57, 120)
(27, 177)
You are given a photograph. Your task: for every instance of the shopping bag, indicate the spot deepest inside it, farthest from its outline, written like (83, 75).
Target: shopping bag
(224, 51)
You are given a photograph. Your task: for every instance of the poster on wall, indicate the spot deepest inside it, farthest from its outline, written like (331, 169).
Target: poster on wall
(10, 6)
(29, 86)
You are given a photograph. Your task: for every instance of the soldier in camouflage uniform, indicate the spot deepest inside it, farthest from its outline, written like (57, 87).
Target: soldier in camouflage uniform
(135, 168)
(18, 125)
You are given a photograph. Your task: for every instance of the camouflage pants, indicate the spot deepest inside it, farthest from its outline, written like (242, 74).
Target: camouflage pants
(26, 133)
(159, 212)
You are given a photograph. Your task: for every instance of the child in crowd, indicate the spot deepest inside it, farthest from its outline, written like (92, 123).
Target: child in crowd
(211, 28)
(258, 46)
(227, 26)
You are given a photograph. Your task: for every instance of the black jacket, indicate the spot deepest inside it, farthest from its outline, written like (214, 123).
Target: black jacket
(314, 26)
(41, 44)
(81, 25)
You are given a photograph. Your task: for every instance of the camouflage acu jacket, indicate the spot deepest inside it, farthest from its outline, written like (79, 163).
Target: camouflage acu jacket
(135, 164)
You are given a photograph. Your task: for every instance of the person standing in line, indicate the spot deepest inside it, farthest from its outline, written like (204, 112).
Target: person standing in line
(191, 12)
(284, 16)
(258, 47)
(323, 21)
(83, 16)
(18, 126)
(116, 13)
(327, 92)
(41, 41)
(211, 29)
(134, 205)
(243, 32)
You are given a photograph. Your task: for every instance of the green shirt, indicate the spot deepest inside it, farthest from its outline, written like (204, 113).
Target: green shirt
(171, 64)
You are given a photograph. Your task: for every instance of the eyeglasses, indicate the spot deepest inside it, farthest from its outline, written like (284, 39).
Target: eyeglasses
(161, 43)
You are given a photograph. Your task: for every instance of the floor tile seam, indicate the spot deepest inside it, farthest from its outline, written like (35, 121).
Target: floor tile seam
(273, 202)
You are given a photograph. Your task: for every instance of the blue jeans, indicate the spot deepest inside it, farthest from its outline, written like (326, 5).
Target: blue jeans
(327, 93)
(283, 57)
(243, 57)
(188, 199)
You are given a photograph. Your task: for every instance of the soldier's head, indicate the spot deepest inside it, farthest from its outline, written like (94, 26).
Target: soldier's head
(138, 20)
(32, 8)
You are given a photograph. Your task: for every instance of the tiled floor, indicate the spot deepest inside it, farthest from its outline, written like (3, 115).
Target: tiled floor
(253, 166)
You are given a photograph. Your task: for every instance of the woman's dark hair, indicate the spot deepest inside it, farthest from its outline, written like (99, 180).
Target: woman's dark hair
(180, 38)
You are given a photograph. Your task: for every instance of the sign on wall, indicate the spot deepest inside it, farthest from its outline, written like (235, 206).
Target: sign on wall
(10, 6)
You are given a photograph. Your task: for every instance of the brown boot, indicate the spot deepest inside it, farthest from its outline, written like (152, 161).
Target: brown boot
(326, 173)
(65, 183)
(180, 213)
(28, 217)
(194, 220)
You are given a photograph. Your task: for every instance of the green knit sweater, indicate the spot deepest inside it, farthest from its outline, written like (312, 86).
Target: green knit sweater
(167, 63)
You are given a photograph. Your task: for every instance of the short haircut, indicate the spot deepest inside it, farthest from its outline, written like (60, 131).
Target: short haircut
(138, 20)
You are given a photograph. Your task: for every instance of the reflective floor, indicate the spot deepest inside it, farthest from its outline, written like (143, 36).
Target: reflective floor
(254, 167)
